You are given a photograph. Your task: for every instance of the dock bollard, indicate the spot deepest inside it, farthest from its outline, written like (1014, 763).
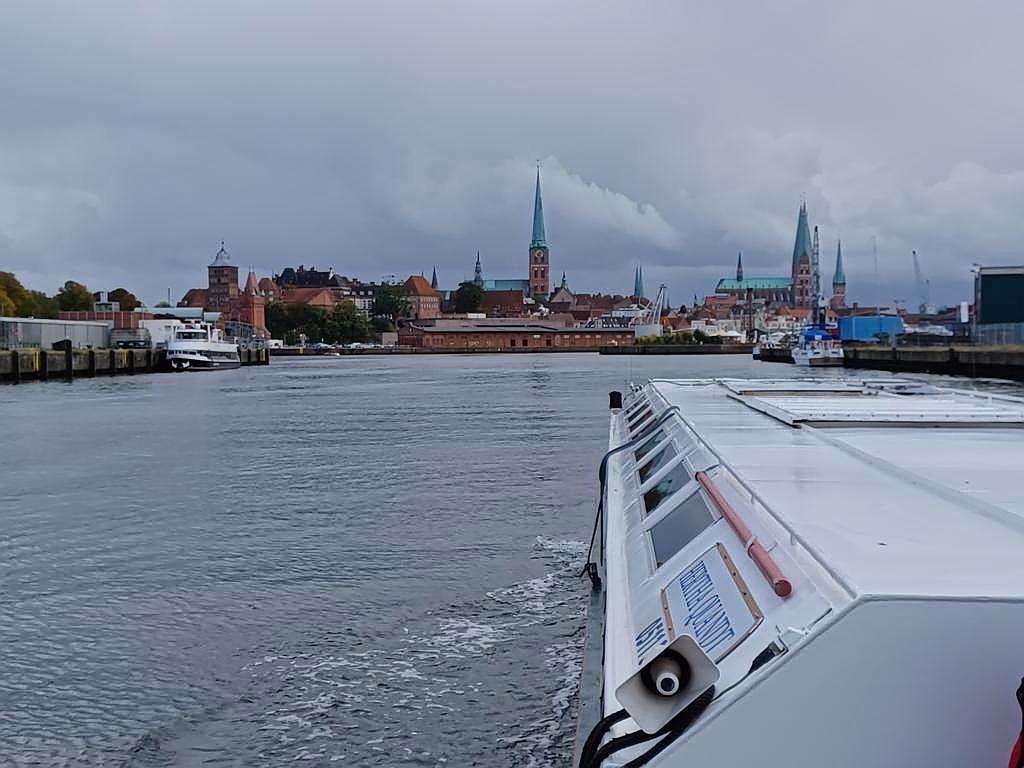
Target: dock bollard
(614, 400)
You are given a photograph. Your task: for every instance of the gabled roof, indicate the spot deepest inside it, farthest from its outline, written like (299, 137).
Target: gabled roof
(321, 297)
(417, 285)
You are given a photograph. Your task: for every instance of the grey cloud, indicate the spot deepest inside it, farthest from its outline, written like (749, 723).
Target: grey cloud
(390, 137)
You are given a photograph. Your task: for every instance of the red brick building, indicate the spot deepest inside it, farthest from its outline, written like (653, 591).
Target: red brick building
(501, 338)
(223, 295)
(424, 301)
(503, 304)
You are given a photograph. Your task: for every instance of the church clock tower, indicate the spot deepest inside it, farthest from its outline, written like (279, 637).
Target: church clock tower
(539, 263)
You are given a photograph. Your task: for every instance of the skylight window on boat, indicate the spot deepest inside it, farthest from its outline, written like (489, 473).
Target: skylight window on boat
(655, 462)
(646, 430)
(649, 445)
(679, 527)
(639, 416)
(669, 484)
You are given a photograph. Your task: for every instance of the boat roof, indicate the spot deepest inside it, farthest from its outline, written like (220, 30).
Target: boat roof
(896, 488)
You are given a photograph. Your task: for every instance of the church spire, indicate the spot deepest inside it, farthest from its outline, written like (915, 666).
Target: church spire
(478, 273)
(638, 283)
(433, 279)
(739, 266)
(802, 245)
(839, 278)
(563, 281)
(539, 239)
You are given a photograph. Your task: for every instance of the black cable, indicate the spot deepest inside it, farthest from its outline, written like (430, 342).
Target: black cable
(597, 733)
(679, 725)
(672, 730)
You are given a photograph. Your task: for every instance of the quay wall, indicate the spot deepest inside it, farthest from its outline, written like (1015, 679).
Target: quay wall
(680, 349)
(18, 365)
(981, 361)
(407, 350)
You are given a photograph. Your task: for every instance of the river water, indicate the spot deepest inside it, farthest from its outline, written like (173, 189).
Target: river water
(358, 561)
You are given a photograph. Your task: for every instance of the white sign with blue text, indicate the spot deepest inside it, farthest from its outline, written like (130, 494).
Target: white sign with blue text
(710, 602)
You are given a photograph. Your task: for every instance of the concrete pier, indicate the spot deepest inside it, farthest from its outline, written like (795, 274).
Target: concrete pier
(1002, 362)
(18, 365)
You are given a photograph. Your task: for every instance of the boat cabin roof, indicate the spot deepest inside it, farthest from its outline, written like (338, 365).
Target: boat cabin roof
(895, 488)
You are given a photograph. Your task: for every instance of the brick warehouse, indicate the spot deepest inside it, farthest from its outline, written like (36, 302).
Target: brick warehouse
(513, 337)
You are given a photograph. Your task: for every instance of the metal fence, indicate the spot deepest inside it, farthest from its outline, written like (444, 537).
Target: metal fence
(999, 333)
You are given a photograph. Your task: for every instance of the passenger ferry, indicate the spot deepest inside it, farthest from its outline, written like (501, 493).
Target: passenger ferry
(200, 346)
(806, 573)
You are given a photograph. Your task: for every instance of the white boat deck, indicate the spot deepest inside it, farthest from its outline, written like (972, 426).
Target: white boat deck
(893, 506)
(894, 512)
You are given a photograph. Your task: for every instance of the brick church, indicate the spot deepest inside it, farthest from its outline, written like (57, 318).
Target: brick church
(537, 284)
(795, 291)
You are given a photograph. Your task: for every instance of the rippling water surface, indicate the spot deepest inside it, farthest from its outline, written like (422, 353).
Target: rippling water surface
(361, 561)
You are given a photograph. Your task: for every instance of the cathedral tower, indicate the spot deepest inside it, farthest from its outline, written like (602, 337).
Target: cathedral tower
(802, 278)
(539, 264)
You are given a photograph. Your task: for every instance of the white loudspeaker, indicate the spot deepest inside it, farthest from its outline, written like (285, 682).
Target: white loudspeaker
(667, 684)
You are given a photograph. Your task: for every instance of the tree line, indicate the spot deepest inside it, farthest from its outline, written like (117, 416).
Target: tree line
(18, 301)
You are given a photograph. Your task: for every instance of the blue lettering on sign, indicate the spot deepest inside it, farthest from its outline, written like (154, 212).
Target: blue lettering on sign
(650, 637)
(707, 619)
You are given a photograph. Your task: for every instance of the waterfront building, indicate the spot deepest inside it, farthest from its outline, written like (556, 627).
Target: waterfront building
(518, 336)
(424, 301)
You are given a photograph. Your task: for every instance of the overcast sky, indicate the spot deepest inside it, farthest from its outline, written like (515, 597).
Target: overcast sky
(385, 138)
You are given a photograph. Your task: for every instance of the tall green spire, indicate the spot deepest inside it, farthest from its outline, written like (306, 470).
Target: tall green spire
(803, 236)
(638, 283)
(839, 278)
(539, 240)
(433, 279)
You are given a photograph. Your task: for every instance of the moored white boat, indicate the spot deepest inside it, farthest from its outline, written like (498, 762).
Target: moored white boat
(817, 349)
(196, 346)
(806, 572)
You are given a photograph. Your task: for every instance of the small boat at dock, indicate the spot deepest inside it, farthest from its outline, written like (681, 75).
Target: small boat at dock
(806, 572)
(198, 346)
(816, 349)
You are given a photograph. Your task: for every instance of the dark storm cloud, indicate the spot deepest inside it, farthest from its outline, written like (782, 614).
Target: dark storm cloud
(386, 138)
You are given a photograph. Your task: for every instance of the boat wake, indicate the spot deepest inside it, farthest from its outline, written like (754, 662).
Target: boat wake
(489, 682)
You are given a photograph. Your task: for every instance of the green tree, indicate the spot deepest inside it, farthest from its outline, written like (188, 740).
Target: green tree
(344, 325)
(125, 298)
(163, 304)
(468, 297)
(391, 303)
(38, 304)
(74, 297)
